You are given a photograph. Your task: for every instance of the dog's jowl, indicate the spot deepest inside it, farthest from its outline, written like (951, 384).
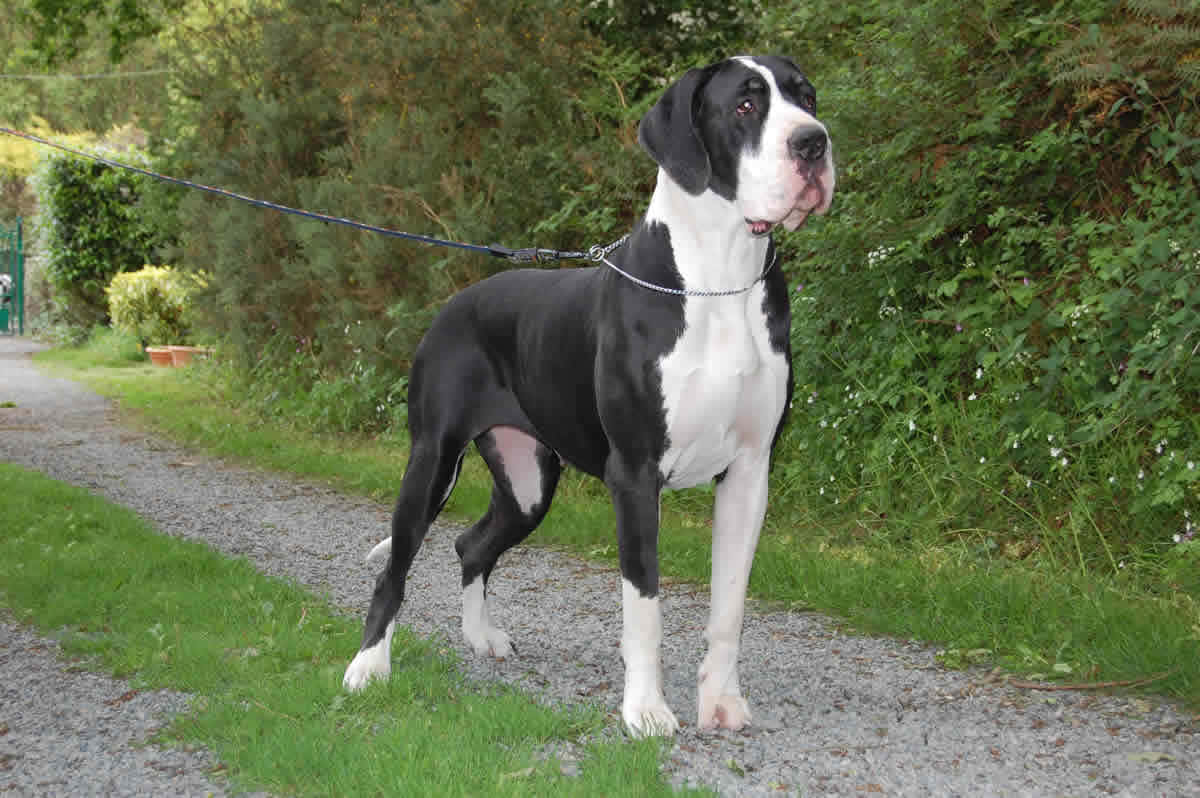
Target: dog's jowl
(644, 388)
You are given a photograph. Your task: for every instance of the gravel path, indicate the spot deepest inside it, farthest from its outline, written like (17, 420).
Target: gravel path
(834, 714)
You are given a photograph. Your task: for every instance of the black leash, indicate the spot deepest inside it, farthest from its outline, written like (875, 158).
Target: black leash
(597, 253)
(526, 255)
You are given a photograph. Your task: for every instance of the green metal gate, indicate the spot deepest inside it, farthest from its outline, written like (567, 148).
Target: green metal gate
(12, 281)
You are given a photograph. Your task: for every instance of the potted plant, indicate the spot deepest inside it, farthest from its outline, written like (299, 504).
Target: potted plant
(153, 305)
(182, 354)
(159, 355)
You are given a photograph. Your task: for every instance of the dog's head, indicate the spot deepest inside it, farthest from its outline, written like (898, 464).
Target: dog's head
(746, 129)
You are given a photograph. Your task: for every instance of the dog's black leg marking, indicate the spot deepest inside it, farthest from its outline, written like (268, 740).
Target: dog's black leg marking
(635, 494)
(416, 508)
(525, 473)
(636, 504)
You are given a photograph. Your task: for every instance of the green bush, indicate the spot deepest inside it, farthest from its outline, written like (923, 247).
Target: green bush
(154, 304)
(995, 334)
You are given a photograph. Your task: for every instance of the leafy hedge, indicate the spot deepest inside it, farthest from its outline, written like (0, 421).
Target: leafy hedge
(996, 328)
(993, 329)
(92, 226)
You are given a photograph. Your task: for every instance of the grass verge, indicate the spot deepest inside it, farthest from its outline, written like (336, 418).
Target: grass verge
(1035, 620)
(264, 659)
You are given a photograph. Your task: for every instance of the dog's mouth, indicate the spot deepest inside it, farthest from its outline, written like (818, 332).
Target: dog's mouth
(760, 227)
(794, 220)
(811, 199)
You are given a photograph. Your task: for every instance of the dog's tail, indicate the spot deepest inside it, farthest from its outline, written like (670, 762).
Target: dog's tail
(382, 550)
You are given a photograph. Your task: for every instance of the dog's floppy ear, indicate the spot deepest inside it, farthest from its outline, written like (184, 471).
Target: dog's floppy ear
(668, 133)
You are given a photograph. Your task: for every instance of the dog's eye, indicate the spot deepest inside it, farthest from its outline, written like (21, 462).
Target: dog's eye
(745, 107)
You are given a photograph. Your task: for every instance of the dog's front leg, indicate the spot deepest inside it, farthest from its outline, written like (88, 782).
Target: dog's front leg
(636, 501)
(741, 503)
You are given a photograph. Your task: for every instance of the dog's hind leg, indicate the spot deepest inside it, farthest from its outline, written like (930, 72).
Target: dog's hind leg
(524, 473)
(428, 480)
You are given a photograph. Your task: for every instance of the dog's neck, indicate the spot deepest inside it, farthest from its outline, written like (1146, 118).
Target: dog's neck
(714, 249)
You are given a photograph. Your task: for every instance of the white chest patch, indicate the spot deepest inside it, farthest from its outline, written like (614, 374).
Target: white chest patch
(723, 386)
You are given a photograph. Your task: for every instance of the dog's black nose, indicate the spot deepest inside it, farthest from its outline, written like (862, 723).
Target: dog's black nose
(808, 145)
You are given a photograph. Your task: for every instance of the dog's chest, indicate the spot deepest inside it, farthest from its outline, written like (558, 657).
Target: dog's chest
(723, 387)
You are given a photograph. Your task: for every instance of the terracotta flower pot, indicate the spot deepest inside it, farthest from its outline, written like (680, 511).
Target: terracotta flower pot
(182, 355)
(159, 355)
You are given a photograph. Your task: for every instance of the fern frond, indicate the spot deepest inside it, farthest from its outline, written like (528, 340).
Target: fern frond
(1163, 10)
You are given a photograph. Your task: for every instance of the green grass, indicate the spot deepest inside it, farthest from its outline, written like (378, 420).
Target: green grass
(264, 659)
(1031, 617)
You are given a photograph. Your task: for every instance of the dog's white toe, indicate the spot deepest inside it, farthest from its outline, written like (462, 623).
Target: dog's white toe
(362, 670)
(490, 642)
(373, 662)
(723, 712)
(653, 719)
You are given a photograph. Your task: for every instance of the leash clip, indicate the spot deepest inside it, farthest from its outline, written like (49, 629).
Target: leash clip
(526, 255)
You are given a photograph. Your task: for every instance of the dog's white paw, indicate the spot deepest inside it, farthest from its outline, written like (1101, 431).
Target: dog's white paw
(379, 554)
(649, 719)
(489, 641)
(723, 712)
(362, 669)
(370, 663)
(477, 628)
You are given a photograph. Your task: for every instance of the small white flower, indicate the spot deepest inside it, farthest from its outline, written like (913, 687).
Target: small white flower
(1055, 451)
(982, 460)
(1121, 564)
(912, 426)
(978, 373)
(1017, 444)
(1191, 465)
(1177, 537)
(971, 398)
(1065, 462)
(1049, 439)
(1029, 483)
(1112, 480)
(1141, 473)
(824, 423)
(821, 491)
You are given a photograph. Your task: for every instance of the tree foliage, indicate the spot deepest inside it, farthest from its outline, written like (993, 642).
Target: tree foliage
(993, 328)
(1009, 280)
(61, 28)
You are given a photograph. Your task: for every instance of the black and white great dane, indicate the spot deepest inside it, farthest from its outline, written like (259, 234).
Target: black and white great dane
(645, 389)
